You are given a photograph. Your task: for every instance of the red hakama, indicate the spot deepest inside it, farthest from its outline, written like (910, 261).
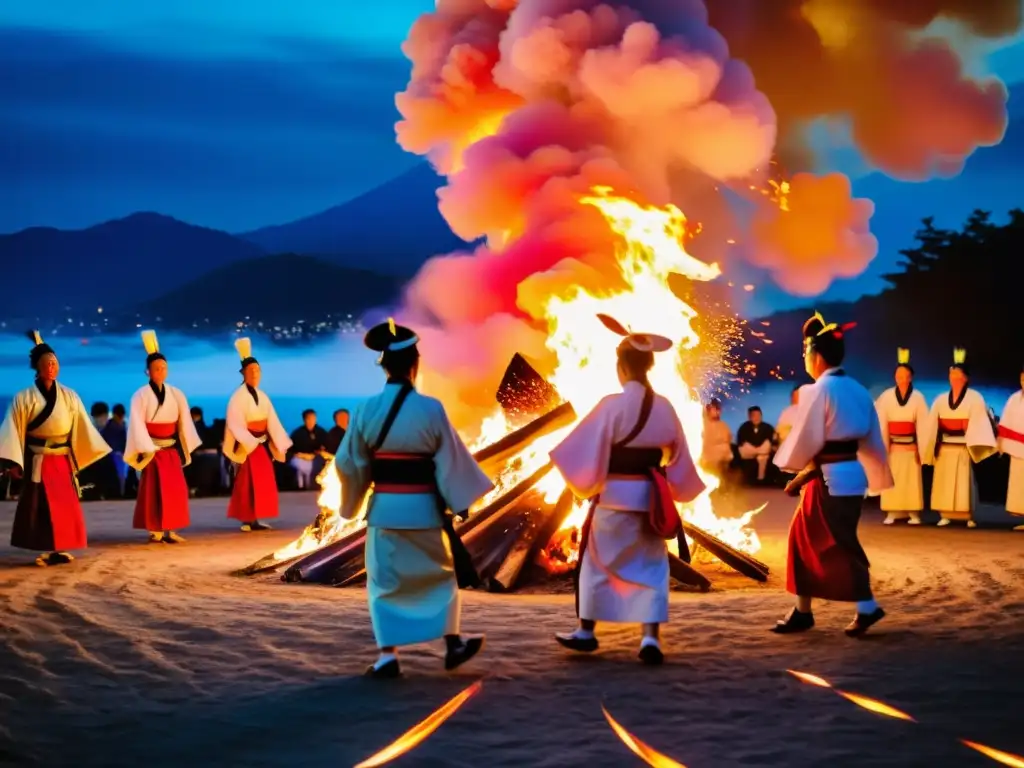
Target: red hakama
(162, 503)
(49, 516)
(254, 496)
(826, 559)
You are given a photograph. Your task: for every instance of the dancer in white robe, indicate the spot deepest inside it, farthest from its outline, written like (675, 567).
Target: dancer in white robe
(903, 414)
(959, 433)
(402, 445)
(612, 457)
(253, 439)
(836, 446)
(1011, 442)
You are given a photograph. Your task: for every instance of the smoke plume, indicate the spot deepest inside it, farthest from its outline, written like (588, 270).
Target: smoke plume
(527, 105)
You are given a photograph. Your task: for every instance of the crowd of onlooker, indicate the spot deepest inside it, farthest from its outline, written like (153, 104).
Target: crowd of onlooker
(209, 473)
(749, 454)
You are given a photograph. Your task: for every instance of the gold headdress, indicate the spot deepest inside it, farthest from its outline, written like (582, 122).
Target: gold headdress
(35, 337)
(150, 343)
(959, 356)
(902, 356)
(244, 347)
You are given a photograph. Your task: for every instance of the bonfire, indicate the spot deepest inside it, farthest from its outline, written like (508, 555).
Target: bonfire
(530, 513)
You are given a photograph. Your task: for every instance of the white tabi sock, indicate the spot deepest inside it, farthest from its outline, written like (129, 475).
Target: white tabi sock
(648, 640)
(867, 606)
(385, 658)
(583, 634)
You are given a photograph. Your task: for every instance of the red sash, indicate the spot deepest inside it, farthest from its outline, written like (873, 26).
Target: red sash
(902, 428)
(1009, 434)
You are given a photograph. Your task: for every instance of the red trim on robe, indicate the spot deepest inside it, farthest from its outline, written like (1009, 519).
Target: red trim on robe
(663, 516)
(254, 496)
(49, 516)
(162, 503)
(953, 425)
(902, 429)
(826, 559)
(1009, 434)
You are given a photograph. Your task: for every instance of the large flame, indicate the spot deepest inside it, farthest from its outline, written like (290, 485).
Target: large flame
(650, 249)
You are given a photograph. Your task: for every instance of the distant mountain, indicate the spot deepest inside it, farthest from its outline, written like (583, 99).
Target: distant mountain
(113, 264)
(280, 289)
(395, 227)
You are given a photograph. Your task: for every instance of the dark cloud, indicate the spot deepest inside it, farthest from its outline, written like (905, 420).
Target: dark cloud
(152, 131)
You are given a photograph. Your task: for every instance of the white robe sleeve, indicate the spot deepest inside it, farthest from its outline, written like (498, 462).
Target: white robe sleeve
(237, 423)
(12, 431)
(352, 463)
(460, 480)
(87, 444)
(931, 431)
(582, 457)
(874, 457)
(1006, 419)
(280, 442)
(921, 423)
(980, 436)
(680, 472)
(188, 435)
(882, 409)
(807, 438)
(139, 448)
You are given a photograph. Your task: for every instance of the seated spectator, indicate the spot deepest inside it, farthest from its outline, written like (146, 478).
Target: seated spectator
(204, 473)
(308, 443)
(101, 480)
(337, 433)
(754, 440)
(716, 451)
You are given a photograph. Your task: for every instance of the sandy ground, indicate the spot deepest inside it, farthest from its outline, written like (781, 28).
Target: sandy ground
(139, 654)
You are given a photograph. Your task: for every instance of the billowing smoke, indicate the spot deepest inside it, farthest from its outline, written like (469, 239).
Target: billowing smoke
(526, 106)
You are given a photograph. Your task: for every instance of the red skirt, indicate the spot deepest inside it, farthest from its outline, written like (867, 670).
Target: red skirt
(162, 504)
(254, 496)
(826, 559)
(49, 516)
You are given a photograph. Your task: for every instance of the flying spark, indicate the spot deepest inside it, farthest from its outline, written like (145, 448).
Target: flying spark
(1005, 758)
(871, 705)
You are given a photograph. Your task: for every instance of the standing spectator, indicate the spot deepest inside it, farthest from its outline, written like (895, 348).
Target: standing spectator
(755, 441)
(115, 432)
(716, 452)
(788, 416)
(204, 473)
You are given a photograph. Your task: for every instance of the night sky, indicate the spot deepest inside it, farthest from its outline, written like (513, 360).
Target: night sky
(237, 115)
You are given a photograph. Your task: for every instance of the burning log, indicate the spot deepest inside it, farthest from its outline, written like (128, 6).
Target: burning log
(318, 565)
(529, 541)
(739, 561)
(497, 454)
(684, 573)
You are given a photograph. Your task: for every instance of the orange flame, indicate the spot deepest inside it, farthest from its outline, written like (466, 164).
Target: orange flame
(419, 732)
(646, 753)
(1005, 758)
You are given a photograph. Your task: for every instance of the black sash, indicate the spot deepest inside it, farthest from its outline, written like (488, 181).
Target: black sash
(465, 571)
(50, 396)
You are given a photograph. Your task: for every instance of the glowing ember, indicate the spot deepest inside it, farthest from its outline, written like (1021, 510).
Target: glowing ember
(878, 707)
(810, 679)
(419, 732)
(871, 705)
(646, 753)
(1005, 758)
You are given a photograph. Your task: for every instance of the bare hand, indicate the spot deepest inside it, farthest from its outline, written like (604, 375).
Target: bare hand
(793, 487)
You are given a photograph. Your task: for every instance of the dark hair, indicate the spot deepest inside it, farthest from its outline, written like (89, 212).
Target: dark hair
(714, 402)
(340, 411)
(152, 357)
(308, 412)
(753, 409)
(99, 409)
(637, 363)
(962, 367)
(195, 410)
(908, 366)
(830, 344)
(398, 364)
(118, 410)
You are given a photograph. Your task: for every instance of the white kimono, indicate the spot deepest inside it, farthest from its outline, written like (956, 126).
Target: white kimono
(954, 492)
(411, 585)
(1011, 442)
(69, 419)
(786, 420)
(243, 410)
(907, 496)
(624, 574)
(144, 409)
